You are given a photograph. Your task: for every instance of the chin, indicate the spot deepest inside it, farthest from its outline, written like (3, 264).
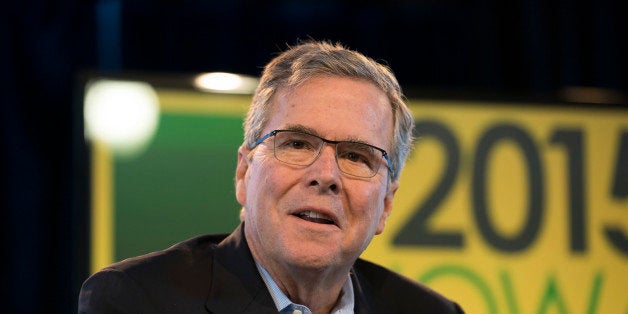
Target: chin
(321, 259)
(314, 260)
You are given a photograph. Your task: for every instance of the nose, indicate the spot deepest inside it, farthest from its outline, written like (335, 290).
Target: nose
(324, 173)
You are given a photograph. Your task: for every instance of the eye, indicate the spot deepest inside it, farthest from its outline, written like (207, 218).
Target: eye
(296, 144)
(357, 154)
(292, 144)
(295, 141)
(355, 157)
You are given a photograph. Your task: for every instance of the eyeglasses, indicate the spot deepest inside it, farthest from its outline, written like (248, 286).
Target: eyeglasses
(302, 149)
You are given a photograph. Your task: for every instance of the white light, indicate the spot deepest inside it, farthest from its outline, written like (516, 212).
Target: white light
(222, 82)
(219, 81)
(123, 114)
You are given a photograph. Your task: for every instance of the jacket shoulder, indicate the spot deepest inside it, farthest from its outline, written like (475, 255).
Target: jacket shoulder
(167, 279)
(184, 254)
(395, 293)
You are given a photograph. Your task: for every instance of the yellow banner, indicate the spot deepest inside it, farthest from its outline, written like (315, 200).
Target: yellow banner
(514, 208)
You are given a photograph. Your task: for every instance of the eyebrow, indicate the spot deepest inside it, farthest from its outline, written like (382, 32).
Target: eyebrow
(305, 129)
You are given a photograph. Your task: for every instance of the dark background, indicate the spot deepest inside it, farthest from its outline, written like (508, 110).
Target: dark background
(487, 49)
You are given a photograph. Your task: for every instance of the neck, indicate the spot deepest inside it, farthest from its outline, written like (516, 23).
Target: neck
(304, 282)
(319, 290)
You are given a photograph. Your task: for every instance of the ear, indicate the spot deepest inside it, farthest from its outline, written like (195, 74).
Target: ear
(240, 177)
(388, 202)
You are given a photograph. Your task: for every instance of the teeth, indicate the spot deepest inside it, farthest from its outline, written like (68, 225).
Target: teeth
(315, 217)
(312, 214)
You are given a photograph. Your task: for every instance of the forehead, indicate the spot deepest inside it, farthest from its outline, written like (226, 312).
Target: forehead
(336, 108)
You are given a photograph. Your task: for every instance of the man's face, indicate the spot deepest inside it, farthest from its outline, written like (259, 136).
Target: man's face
(275, 195)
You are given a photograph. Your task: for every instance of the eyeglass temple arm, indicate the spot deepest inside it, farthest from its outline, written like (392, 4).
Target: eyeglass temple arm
(387, 160)
(263, 138)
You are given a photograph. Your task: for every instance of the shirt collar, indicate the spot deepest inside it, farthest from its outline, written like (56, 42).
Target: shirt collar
(282, 302)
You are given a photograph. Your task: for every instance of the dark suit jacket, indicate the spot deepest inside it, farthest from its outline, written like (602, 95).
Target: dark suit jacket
(217, 274)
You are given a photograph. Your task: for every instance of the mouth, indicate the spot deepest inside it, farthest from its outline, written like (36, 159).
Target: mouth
(315, 217)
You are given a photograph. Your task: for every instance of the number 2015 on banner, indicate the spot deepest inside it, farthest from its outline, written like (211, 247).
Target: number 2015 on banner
(416, 232)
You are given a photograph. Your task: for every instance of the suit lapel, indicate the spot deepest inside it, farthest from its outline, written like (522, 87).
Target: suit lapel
(364, 300)
(236, 284)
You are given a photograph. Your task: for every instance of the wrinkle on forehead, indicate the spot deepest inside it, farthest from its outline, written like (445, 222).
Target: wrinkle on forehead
(308, 130)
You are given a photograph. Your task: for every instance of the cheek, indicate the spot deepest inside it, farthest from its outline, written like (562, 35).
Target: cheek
(367, 204)
(263, 181)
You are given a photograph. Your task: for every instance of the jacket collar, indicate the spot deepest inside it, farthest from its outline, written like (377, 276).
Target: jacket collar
(236, 284)
(364, 300)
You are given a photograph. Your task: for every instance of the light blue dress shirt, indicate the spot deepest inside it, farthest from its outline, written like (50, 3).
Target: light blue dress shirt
(285, 306)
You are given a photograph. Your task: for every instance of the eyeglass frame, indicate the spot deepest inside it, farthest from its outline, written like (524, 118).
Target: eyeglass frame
(274, 132)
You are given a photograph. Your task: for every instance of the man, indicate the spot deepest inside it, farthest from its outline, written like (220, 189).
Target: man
(326, 136)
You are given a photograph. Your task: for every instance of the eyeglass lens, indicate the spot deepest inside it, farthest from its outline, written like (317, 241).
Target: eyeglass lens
(302, 149)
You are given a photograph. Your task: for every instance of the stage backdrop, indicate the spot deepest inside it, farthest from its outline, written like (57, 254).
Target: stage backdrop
(503, 207)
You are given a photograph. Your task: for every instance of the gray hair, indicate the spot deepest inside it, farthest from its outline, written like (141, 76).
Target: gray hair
(313, 59)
